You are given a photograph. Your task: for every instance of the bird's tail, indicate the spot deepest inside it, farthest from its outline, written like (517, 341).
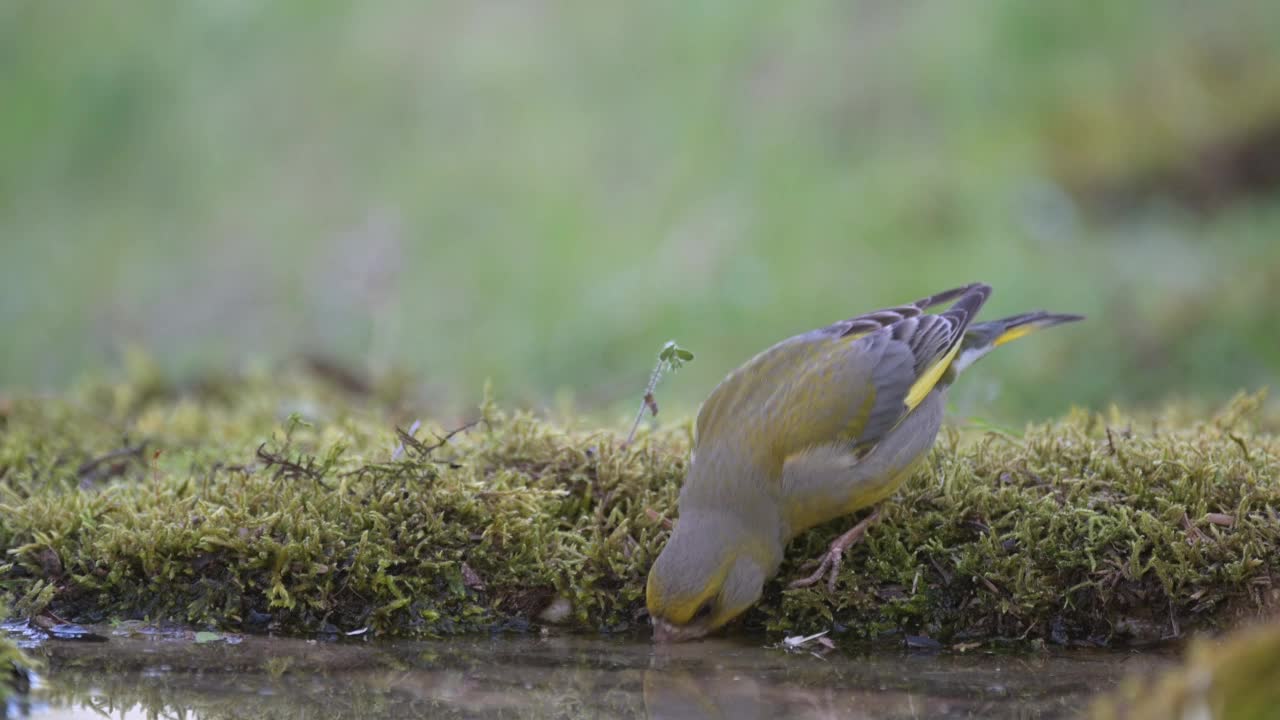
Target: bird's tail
(982, 338)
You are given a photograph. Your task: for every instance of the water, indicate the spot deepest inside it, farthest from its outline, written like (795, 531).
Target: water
(139, 673)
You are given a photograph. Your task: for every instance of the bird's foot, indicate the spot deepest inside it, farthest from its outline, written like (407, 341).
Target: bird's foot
(830, 562)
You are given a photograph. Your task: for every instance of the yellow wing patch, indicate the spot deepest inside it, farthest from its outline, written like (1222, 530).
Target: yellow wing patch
(921, 387)
(1014, 333)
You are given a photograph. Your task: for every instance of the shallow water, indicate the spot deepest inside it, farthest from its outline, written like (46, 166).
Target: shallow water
(139, 673)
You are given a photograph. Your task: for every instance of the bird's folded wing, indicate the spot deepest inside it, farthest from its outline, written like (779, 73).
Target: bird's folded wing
(850, 382)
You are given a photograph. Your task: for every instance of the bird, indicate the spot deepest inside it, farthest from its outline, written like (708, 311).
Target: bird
(816, 427)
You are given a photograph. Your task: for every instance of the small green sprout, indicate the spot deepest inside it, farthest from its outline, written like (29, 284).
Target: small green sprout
(672, 357)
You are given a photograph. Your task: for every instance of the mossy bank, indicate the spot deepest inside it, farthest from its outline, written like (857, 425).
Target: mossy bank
(290, 504)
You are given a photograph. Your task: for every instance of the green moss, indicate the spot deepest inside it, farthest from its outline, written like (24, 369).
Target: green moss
(261, 503)
(1086, 530)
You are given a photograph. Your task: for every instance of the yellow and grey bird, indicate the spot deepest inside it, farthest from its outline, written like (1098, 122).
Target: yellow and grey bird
(813, 428)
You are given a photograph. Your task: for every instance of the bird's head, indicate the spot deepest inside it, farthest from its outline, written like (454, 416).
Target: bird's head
(712, 569)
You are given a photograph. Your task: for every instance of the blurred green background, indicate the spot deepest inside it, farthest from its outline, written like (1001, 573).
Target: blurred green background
(542, 193)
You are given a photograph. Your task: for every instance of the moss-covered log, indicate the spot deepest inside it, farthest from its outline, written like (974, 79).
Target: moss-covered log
(262, 503)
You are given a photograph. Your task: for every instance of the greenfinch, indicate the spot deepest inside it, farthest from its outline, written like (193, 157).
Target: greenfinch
(816, 427)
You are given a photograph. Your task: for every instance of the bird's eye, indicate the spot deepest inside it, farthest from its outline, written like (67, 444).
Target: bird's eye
(704, 611)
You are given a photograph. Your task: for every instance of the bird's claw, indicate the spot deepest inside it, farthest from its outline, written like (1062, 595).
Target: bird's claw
(830, 563)
(830, 566)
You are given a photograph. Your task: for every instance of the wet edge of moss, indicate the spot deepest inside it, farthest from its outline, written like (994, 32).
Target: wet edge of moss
(261, 503)
(14, 664)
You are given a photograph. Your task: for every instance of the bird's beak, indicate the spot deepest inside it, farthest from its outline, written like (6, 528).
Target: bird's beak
(665, 633)
(662, 632)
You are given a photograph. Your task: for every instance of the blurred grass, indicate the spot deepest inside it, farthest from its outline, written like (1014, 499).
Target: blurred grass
(543, 192)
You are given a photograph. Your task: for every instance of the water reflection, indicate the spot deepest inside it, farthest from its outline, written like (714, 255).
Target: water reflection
(169, 674)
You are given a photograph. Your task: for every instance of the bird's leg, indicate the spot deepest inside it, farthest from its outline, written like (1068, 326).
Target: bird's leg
(830, 564)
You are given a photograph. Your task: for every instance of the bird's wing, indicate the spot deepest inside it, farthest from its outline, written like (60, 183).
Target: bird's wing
(852, 381)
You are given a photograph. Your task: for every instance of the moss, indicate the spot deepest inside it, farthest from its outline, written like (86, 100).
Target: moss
(1080, 531)
(260, 503)
(1234, 678)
